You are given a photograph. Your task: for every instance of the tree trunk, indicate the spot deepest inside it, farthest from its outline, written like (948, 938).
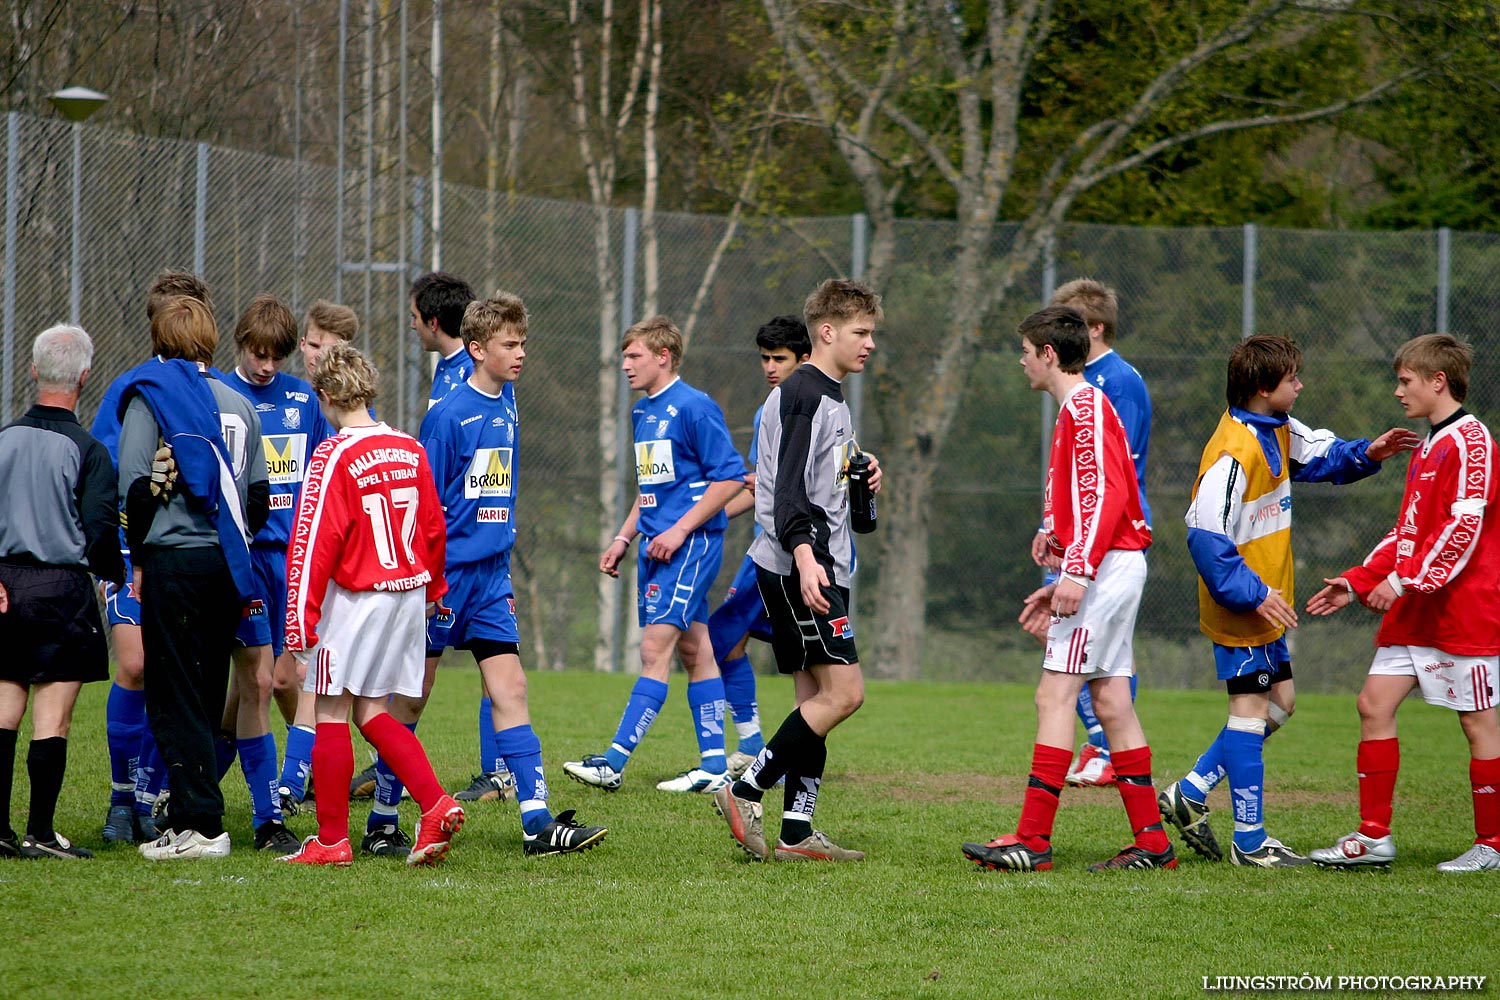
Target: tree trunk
(901, 607)
(609, 429)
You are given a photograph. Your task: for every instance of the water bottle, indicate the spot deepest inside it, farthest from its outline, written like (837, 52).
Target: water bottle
(861, 500)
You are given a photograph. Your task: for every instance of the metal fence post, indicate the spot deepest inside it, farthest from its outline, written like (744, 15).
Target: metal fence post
(1445, 243)
(12, 168)
(1247, 288)
(75, 277)
(1049, 285)
(200, 211)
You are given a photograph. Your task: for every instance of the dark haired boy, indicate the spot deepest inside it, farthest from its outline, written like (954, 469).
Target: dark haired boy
(784, 346)
(1240, 538)
(1092, 513)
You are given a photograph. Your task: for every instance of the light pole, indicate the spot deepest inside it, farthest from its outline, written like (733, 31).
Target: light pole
(76, 104)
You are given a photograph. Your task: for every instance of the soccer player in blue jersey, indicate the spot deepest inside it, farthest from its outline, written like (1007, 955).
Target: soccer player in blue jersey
(1126, 391)
(783, 344)
(687, 470)
(291, 426)
(438, 301)
(136, 771)
(326, 323)
(1240, 537)
(472, 437)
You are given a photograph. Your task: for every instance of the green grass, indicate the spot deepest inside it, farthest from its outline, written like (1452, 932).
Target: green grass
(668, 906)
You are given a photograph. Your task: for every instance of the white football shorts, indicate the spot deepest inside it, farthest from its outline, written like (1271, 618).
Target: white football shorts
(1097, 641)
(1462, 683)
(370, 643)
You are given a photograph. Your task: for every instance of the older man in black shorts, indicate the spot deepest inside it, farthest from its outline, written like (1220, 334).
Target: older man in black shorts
(57, 524)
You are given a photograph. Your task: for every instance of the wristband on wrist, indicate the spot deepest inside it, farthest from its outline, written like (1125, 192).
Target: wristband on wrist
(622, 538)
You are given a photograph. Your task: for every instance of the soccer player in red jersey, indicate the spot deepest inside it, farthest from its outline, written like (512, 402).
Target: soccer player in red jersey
(1092, 512)
(1432, 578)
(369, 541)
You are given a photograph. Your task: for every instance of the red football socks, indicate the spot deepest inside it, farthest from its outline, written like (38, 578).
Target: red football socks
(1133, 778)
(1049, 769)
(1484, 776)
(332, 768)
(403, 753)
(1377, 762)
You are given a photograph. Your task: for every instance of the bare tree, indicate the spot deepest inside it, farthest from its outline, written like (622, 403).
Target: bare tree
(932, 88)
(602, 116)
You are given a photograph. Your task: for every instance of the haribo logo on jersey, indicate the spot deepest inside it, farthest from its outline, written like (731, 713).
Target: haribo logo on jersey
(653, 463)
(488, 474)
(284, 457)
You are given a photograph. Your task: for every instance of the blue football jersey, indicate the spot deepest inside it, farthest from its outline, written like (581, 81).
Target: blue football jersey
(106, 428)
(106, 425)
(682, 444)
(451, 372)
(472, 440)
(1127, 393)
(291, 426)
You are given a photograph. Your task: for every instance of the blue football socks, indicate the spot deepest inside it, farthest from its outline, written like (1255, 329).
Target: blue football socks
(739, 694)
(706, 702)
(1243, 742)
(258, 762)
(521, 751)
(298, 761)
(646, 700)
(125, 725)
(388, 791)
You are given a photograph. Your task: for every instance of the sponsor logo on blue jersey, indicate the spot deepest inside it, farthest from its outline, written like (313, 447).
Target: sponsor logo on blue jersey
(488, 474)
(284, 457)
(653, 463)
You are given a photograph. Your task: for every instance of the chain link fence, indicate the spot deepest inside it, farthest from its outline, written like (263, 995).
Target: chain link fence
(252, 224)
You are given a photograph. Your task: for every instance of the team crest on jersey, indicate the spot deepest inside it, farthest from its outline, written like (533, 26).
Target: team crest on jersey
(653, 463)
(284, 457)
(291, 417)
(841, 627)
(489, 474)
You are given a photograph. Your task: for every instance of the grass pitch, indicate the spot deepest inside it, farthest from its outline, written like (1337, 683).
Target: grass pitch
(668, 906)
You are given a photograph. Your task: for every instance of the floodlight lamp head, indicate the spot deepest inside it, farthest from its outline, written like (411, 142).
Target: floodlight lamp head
(76, 104)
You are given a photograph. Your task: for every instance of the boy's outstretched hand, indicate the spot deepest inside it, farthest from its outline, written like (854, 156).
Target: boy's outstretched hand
(1337, 594)
(1393, 441)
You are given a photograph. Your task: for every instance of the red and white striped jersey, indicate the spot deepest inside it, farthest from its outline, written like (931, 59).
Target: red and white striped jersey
(1442, 552)
(1093, 503)
(369, 519)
